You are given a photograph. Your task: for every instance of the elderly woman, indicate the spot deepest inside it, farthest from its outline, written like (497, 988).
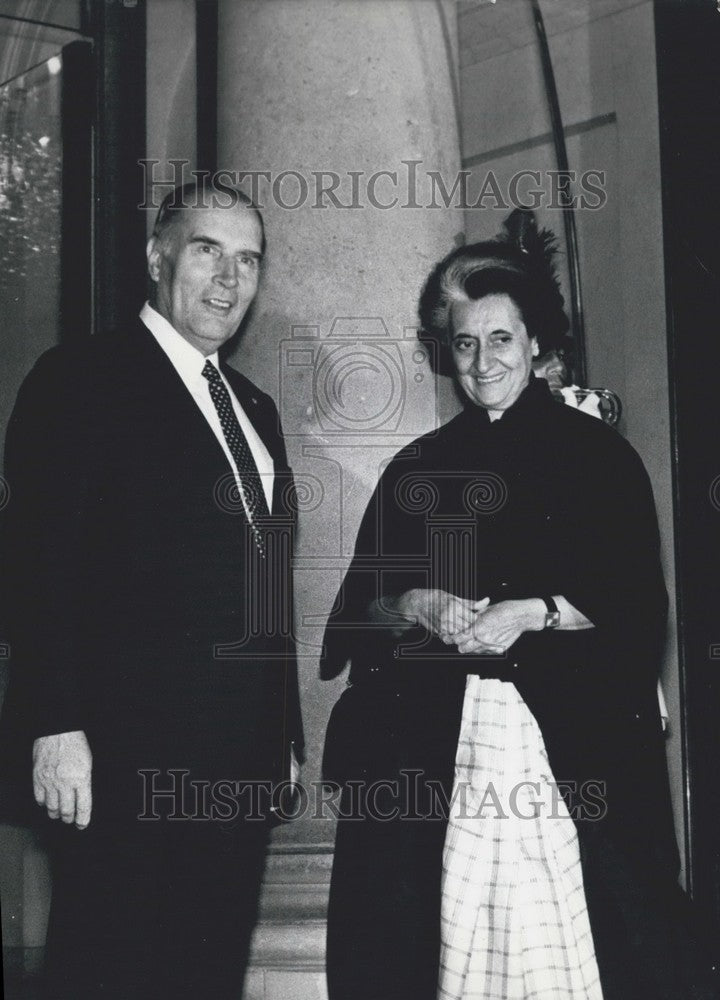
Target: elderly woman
(505, 827)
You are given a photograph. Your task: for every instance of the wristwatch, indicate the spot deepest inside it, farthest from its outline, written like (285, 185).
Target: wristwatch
(552, 615)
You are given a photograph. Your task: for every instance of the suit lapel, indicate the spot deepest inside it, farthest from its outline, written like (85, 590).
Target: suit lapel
(260, 416)
(163, 381)
(159, 379)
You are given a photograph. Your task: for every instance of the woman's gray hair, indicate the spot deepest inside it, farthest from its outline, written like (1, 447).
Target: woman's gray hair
(518, 262)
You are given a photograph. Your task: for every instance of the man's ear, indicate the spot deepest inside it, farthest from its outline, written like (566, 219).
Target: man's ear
(153, 254)
(535, 347)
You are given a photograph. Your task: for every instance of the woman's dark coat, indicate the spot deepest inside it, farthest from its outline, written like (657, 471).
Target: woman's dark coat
(544, 501)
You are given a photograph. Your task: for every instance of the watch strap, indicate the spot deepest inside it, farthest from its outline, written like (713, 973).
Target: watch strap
(552, 615)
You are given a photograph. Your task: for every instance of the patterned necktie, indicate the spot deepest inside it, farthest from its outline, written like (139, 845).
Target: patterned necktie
(250, 483)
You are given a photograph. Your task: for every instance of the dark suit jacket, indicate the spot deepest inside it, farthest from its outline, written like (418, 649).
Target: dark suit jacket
(138, 609)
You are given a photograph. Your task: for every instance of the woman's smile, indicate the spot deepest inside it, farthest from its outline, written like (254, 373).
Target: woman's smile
(491, 351)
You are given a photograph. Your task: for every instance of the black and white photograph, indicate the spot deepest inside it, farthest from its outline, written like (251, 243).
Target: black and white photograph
(359, 499)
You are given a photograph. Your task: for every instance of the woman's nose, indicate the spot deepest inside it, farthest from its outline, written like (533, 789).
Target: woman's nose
(483, 359)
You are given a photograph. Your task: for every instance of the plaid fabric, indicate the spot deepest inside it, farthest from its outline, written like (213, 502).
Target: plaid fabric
(514, 917)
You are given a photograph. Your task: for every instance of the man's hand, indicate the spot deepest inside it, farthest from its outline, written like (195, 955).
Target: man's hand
(62, 771)
(439, 612)
(498, 627)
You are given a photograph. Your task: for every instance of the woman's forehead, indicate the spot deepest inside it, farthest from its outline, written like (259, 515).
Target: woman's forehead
(496, 311)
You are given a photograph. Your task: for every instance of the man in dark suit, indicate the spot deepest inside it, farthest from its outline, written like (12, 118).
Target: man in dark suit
(148, 540)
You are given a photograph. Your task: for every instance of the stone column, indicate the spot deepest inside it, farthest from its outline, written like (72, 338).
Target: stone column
(337, 109)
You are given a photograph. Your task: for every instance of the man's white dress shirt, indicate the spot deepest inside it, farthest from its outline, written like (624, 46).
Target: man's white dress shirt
(188, 362)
